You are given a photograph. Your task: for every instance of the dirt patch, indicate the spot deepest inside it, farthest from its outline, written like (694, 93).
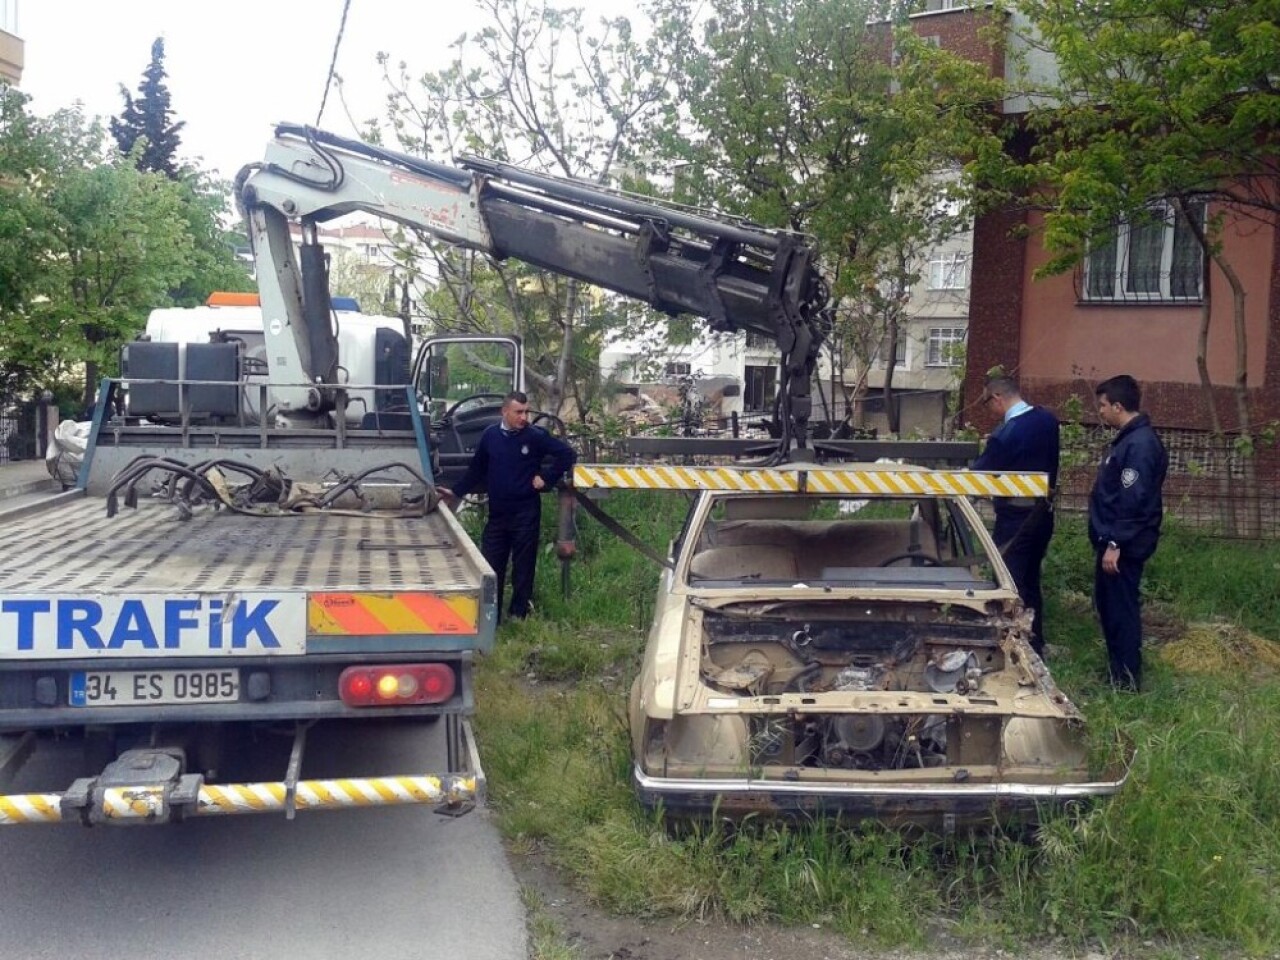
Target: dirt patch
(1161, 624)
(594, 934)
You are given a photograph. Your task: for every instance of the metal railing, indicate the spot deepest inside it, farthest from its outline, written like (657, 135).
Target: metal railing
(1213, 485)
(19, 434)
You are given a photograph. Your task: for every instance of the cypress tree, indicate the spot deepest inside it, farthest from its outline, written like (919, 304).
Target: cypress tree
(149, 116)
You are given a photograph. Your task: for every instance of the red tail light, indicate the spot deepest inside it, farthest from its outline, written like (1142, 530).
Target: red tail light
(396, 685)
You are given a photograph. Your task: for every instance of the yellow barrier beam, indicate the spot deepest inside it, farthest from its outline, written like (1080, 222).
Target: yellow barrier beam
(147, 802)
(817, 480)
(31, 808)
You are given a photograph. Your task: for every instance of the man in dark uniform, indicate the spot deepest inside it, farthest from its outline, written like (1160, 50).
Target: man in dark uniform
(1026, 440)
(1125, 512)
(509, 463)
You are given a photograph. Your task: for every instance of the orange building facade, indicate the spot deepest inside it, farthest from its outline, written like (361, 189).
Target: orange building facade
(1060, 335)
(1133, 307)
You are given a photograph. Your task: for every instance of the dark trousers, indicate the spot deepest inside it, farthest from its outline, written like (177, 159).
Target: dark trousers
(1115, 596)
(512, 534)
(1023, 537)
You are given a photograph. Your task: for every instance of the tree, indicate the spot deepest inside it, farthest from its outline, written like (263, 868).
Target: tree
(374, 287)
(213, 264)
(820, 116)
(26, 225)
(107, 243)
(146, 132)
(544, 88)
(1161, 109)
(148, 119)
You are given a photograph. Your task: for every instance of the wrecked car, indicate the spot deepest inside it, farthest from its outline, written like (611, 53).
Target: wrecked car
(864, 657)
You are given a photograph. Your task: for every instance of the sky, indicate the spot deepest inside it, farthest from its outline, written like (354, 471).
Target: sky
(237, 67)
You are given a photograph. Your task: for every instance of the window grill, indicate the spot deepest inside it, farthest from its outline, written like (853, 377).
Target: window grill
(1152, 260)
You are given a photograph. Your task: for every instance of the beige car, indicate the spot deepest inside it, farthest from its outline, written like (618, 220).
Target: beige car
(864, 657)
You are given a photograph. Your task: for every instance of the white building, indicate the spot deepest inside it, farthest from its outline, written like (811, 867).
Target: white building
(746, 361)
(931, 344)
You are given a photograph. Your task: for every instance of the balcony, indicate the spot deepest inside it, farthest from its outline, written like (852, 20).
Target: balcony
(10, 58)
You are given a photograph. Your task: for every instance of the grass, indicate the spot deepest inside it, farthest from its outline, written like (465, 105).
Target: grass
(1188, 854)
(547, 940)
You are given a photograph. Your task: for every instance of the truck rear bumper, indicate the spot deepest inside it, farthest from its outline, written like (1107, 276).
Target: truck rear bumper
(111, 799)
(37, 695)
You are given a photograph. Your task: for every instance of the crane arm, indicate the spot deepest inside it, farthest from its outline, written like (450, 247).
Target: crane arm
(734, 275)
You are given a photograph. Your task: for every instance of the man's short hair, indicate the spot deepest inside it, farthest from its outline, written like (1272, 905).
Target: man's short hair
(1000, 387)
(1121, 389)
(516, 396)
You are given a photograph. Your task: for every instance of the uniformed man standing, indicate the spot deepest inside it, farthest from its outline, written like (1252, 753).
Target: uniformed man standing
(1026, 441)
(509, 463)
(1125, 512)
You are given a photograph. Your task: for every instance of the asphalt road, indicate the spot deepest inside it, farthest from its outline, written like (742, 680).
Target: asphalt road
(393, 883)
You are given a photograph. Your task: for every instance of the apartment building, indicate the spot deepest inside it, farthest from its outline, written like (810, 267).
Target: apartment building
(11, 52)
(1133, 306)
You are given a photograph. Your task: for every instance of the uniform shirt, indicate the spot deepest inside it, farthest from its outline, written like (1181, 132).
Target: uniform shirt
(1027, 440)
(506, 461)
(1126, 503)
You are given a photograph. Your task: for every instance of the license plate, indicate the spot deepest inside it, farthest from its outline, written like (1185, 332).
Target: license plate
(130, 688)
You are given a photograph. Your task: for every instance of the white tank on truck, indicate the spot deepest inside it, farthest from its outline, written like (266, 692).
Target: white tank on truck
(373, 348)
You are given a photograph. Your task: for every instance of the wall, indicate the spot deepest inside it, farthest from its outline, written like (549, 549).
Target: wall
(1062, 339)
(11, 58)
(1057, 346)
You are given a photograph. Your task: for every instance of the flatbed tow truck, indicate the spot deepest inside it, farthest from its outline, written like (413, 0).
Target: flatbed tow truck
(228, 559)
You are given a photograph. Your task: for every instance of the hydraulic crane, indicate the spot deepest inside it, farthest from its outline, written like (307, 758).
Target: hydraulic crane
(735, 275)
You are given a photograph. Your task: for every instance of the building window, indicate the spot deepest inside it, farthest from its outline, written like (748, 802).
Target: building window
(945, 347)
(1154, 259)
(900, 354)
(760, 389)
(758, 341)
(678, 368)
(949, 271)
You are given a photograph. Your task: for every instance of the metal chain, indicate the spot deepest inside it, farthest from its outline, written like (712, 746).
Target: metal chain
(333, 62)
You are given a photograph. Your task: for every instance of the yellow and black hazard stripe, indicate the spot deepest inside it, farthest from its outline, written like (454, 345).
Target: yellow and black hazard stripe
(147, 802)
(383, 614)
(861, 482)
(683, 478)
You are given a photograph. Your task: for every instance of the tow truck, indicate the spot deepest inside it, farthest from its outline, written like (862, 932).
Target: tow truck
(256, 539)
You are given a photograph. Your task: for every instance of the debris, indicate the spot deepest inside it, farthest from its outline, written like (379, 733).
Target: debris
(1219, 647)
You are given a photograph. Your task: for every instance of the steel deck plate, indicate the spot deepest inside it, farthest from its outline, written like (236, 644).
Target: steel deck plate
(77, 548)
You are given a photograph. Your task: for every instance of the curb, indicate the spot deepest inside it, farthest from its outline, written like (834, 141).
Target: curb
(26, 487)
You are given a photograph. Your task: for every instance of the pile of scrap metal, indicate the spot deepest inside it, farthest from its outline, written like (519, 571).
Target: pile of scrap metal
(377, 491)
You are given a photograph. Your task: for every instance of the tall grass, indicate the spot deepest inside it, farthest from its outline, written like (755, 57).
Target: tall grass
(1188, 853)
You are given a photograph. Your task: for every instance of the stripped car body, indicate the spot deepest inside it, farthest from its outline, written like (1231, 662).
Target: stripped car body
(818, 654)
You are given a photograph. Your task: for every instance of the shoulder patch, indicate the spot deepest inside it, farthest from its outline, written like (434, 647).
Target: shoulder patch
(1128, 476)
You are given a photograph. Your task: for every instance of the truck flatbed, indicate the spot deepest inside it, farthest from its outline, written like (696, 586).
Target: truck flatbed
(149, 550)
(134, 618)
